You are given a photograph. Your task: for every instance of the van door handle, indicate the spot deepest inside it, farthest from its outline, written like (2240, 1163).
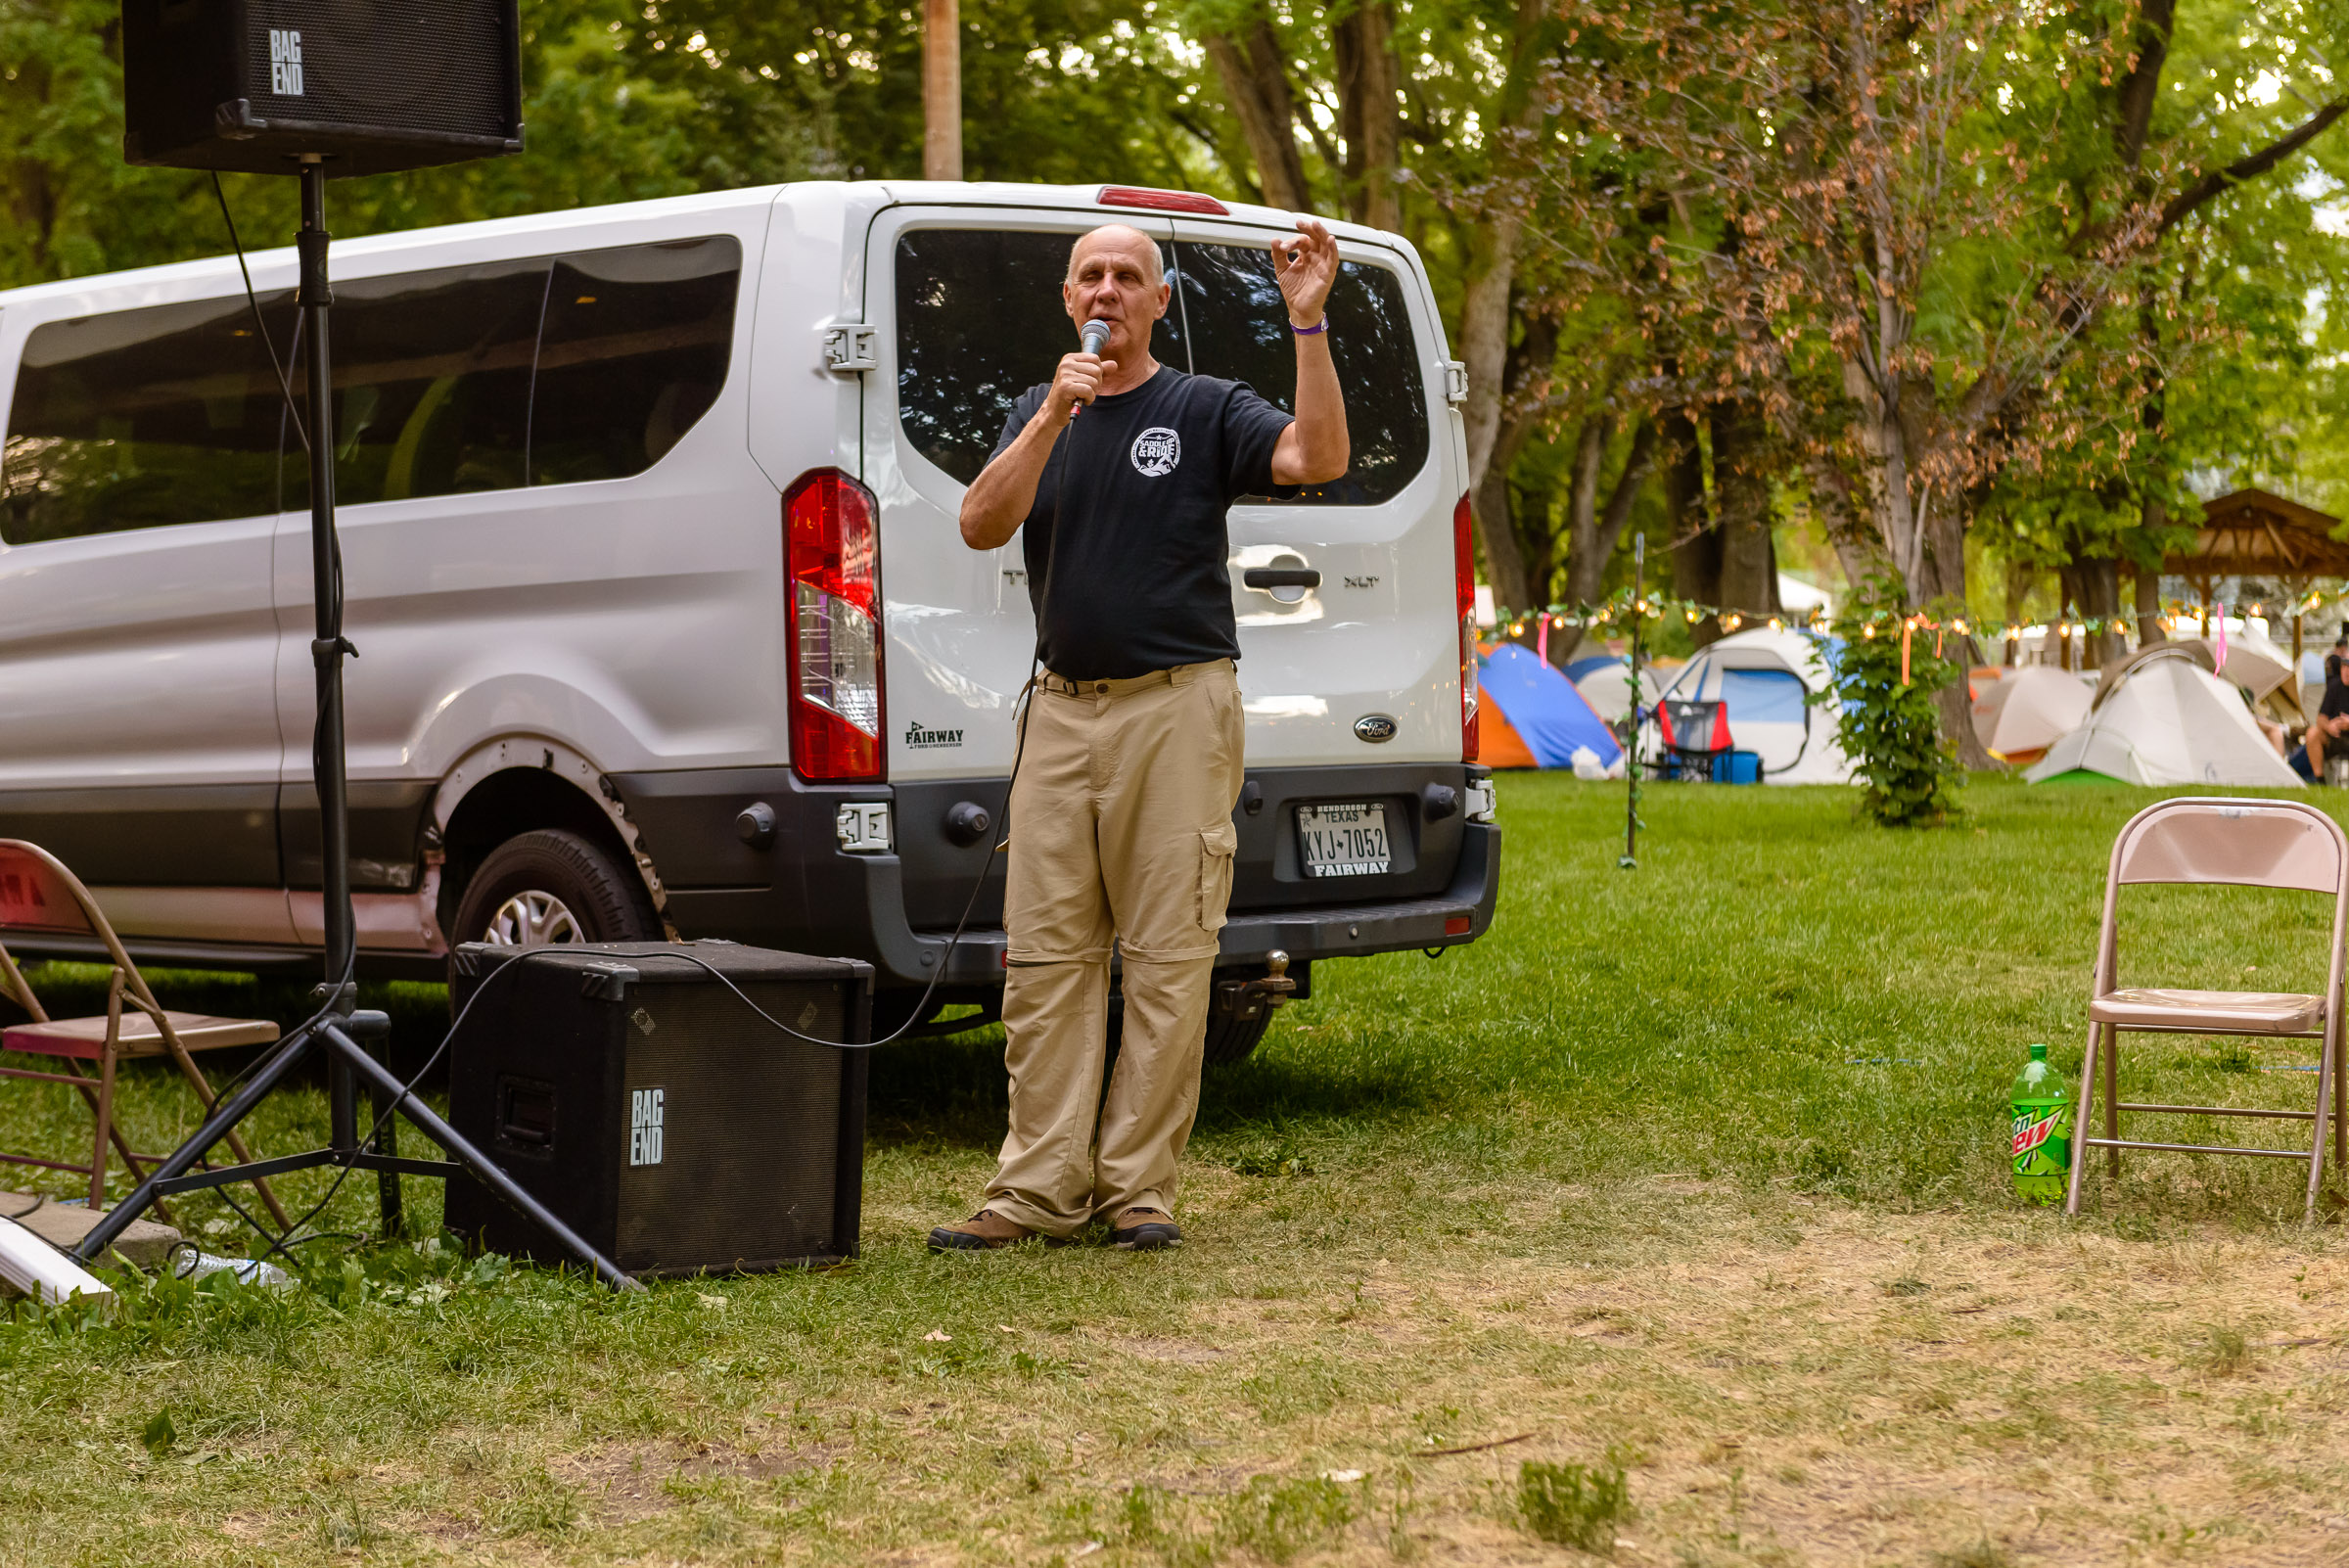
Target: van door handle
(1281, 577)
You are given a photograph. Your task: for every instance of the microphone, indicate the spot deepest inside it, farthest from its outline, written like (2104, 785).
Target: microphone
(1095, 336)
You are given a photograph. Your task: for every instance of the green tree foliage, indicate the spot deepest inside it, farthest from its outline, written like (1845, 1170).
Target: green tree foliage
(623, 100)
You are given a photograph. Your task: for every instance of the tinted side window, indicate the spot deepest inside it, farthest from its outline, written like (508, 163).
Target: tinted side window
(143, 417)
(634, 350)
(432, 383)
(979, 322)
(1239, 330)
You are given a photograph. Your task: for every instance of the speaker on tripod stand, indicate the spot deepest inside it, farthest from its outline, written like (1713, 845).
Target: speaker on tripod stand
(326, 89)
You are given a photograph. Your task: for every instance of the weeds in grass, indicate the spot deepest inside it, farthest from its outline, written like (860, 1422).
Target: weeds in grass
(1280, 1159)
(2223, 1352)
(1982, 1553)
(1573, 1505)
(1268, 1518)
(1906, 1285)
(1278, 1519)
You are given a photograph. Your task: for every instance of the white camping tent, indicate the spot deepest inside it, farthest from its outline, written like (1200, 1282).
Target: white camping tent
(1766, 678)
(2021, 712)
(1608, 690)
(2165, 720)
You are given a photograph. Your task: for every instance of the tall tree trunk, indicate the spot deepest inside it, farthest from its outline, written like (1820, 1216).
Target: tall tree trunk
(2100, 600)
(1484, 345)
(1585, 565)
(941, 90)
(1695, 542)
(1525, 377)
(1593, 531)
(1370, 112)
(1255, 74)
(2018, 589)
(2148, 589)
(1749, 584)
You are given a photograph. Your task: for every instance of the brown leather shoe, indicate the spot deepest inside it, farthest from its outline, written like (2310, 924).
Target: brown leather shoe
(981, 1231)
(1144, 1230)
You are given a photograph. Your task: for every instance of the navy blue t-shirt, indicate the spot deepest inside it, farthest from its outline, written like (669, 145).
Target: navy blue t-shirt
(1129, 524)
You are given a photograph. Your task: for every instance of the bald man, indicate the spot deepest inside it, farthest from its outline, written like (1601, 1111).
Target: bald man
(1121, 472)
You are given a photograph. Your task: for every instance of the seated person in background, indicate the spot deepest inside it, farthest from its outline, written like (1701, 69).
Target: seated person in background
(2277, 736)
(2332, 714)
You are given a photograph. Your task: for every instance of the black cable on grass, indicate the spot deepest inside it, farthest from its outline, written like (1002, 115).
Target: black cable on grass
(284, 385)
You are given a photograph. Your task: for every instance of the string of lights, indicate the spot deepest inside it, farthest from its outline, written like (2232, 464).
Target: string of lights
(1625, 605)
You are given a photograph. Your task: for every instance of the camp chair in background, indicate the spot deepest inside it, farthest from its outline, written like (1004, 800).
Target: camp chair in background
(2232, 843)
(37, 894)
(1696, 740)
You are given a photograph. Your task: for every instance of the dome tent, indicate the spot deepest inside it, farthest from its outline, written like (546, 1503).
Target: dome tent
(2163, 719)
(1542, 712)
(2023, 712)
(1766, 678)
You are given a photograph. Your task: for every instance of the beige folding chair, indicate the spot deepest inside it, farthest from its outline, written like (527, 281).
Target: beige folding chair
(2238, 843)
(37, 894)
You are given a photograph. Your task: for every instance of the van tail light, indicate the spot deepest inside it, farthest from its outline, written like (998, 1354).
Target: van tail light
(1463, 576)
(832, 626)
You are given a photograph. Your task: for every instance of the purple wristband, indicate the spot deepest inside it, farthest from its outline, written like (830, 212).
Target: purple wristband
(1313, 331)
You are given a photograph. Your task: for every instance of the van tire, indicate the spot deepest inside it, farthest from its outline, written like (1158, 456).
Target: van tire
(1228, 1040)
(1231, 1039)
(585, 892)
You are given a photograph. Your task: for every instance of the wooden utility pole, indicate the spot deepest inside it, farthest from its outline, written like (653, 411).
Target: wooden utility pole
(941, 90)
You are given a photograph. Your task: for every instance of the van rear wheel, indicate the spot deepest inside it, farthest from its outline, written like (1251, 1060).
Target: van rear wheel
(551, 887)
(1228, 1040)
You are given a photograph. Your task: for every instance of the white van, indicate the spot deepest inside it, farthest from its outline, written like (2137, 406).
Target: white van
(665, 625)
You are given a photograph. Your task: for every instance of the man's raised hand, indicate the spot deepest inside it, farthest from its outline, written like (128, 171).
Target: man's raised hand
(1306, 267)
(1078, 381)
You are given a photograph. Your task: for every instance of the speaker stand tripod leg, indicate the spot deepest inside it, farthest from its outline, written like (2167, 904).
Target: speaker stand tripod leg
(180, 1161)
(454, 1143)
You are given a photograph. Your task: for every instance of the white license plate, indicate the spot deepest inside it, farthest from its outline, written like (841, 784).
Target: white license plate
(1344, 840)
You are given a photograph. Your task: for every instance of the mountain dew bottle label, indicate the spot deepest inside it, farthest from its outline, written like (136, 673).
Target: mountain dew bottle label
(2042, 1130)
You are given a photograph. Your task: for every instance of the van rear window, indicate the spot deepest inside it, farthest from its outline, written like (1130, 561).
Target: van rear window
(1239, 330)
(980, 321)
(489, 377)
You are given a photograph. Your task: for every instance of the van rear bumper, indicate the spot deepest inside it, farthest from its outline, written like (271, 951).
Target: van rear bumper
(802, 893)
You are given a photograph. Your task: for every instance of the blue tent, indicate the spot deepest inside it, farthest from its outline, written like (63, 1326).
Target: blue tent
(1543, 707)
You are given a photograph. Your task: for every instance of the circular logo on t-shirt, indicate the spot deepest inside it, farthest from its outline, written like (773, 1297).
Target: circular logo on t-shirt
(1156, 451)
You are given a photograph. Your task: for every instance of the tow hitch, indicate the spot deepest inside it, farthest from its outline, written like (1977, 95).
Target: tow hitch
(1247, 1000)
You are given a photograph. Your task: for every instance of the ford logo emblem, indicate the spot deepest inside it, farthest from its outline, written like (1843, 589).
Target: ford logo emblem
(1374, 728)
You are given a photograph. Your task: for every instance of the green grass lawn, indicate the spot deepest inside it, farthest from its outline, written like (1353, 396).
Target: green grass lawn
(1691, 1173)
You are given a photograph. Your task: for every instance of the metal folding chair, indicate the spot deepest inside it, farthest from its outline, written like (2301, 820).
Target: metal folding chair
(37, 894)
(2235, 842)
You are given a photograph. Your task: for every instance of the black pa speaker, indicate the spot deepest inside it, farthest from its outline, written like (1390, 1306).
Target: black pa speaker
(632, 1092)
(373, 85)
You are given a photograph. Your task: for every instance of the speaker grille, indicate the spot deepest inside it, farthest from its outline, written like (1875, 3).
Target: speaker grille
(750, 1145)
(417, 66)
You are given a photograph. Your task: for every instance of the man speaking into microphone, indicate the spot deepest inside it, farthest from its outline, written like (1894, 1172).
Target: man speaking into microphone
(1121, 472)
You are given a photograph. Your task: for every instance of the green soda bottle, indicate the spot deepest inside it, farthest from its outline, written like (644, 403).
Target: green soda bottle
(2042, 1130)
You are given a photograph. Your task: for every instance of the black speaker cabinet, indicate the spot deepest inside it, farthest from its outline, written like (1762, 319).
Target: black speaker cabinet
(632, 1092)
(374, 85)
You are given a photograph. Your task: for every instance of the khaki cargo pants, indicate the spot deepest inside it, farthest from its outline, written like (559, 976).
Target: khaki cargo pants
(1121, 833)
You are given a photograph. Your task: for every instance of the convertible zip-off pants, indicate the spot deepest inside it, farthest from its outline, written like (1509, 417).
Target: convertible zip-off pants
(1121, 835)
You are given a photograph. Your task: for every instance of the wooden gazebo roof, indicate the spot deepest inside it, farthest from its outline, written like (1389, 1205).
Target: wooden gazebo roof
(2253, 534)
